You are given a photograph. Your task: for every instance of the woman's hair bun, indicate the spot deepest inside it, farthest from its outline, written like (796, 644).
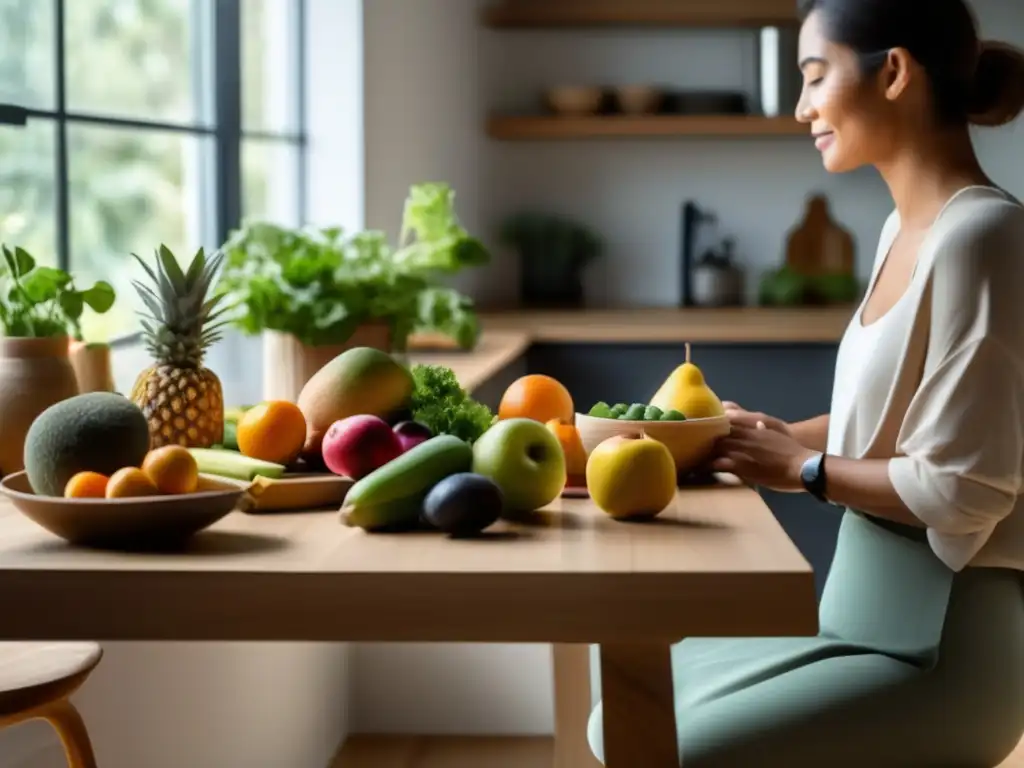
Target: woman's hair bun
(997, 92)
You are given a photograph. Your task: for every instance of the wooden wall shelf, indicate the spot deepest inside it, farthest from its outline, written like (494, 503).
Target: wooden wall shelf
(526, 14)
(545, 127)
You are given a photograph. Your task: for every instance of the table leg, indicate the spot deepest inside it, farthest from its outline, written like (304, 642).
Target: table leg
(639, 708)
(572, 706)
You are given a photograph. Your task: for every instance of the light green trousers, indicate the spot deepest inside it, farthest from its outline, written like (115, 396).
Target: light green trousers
(915, 667)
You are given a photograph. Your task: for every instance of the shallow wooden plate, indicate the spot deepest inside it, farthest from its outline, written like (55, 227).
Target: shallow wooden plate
(150, 522)
(300, 491)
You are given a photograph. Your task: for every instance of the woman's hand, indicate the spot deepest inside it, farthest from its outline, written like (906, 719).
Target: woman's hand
(739, 417)
(764, 456)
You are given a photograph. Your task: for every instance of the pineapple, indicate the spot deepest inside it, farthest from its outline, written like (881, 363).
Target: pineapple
(182, 400)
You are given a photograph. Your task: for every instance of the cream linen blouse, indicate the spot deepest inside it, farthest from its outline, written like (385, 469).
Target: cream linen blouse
(936, 385)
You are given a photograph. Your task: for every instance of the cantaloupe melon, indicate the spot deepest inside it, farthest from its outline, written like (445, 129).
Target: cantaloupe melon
(96, 432)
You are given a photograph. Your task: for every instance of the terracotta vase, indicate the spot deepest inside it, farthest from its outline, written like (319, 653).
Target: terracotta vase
(93, 369)
(34, 374)
(288, 363)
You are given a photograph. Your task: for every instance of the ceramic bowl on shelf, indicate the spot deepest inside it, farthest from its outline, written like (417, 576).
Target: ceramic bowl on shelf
(147, 522)
(690, 442)
(574, 100)
(639, 99)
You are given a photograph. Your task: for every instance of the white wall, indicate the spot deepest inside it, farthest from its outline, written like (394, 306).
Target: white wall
(432, 72)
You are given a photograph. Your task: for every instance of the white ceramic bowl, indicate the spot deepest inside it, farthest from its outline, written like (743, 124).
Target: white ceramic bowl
(690, 442)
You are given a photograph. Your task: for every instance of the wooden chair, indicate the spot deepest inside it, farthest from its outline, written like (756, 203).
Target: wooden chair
(36, 681)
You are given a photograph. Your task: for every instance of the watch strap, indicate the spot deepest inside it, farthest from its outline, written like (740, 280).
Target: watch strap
(814, 478)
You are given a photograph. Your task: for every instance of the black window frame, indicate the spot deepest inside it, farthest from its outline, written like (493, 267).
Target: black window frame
(227, 131)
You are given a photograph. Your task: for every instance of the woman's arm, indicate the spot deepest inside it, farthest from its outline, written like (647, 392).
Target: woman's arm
(864, 485)
(812, 433)
(773, 459)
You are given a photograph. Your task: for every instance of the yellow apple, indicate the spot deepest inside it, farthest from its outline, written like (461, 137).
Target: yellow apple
(631, 477)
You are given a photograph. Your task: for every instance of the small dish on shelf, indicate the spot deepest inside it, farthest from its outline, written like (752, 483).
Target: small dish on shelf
(140, 523)
(639, 99)
(574, 100)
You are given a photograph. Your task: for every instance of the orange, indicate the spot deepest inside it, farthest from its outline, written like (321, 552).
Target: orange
(86, 485)
(272, 431)
(572, 446)
(172, 469)
(536, 397)
(130, 482)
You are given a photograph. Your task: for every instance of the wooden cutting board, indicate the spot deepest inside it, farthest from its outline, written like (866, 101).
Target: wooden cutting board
(819, 245)
(298, 492)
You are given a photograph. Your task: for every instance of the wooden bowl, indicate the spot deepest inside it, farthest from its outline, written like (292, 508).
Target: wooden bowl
(139, 523)
(639, 99)
(690, 442)
(577, 101)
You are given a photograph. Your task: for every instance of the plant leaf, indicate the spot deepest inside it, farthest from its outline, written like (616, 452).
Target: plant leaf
(71, 304)
(23, 262)
(100, 297)
(43, 284)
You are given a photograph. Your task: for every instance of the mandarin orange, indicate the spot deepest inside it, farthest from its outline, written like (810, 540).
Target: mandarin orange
(172, 469)
(86, 485)
(130, 482)
(537, 397)
(272, 431)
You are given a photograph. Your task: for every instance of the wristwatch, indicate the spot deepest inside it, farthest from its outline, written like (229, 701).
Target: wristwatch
(812, 475)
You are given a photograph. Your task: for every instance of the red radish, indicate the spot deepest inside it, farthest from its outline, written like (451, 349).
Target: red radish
(412, 433)
(356, 446)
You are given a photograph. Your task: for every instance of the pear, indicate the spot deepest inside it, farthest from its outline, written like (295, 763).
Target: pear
(686, 391)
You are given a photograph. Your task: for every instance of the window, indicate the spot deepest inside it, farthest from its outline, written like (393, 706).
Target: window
(125, 124)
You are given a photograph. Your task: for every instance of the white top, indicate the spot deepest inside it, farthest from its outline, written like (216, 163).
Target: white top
(936, 385)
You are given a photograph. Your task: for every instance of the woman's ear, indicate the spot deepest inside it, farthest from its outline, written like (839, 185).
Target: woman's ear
(897, 73)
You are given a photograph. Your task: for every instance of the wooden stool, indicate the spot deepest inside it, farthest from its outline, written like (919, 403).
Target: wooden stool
(36, 680)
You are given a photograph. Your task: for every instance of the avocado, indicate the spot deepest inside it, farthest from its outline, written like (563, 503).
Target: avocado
(96, 431)
(463, 504)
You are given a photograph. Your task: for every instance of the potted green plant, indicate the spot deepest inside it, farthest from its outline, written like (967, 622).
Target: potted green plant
(553, 253)
(314, 292)
(40, 308)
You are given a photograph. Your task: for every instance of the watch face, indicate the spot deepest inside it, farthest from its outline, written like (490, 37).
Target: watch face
(809, 472)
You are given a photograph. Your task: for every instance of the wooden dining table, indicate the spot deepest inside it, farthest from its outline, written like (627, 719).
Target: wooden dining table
(716, 563)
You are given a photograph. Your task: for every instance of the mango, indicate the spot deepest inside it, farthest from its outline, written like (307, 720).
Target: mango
(361, 380)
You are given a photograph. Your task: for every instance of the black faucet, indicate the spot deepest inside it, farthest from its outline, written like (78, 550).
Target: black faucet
(693, 217)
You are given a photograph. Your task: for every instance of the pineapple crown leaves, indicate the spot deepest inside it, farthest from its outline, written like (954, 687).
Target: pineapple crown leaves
(182, 320)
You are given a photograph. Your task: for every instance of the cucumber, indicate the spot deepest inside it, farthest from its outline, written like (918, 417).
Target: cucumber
(230, 440)
(225, 463)
(392, 496)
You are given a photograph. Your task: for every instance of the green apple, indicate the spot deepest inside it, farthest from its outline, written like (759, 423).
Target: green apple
(524, 458)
